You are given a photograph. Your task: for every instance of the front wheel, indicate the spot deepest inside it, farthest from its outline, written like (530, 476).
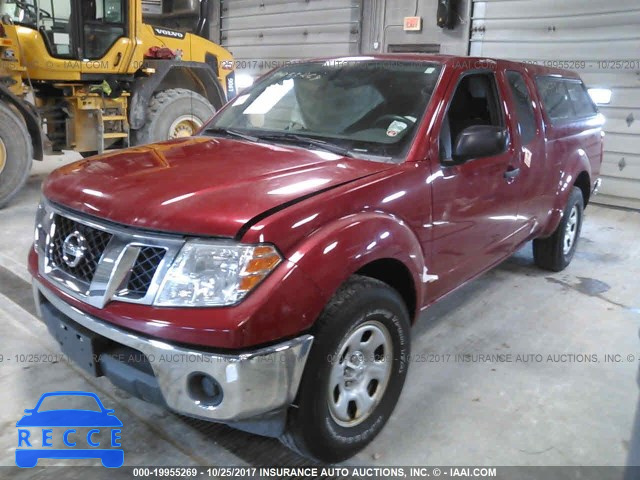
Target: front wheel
(355, 372)
(556, 252)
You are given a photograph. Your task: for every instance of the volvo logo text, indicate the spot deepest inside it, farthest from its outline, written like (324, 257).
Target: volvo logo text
(73, 249)
(168, 33)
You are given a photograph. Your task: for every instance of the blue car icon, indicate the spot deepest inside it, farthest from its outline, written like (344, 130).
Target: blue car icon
(38, 419)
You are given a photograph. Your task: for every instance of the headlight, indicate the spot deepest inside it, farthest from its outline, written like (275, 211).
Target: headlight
(208, 274)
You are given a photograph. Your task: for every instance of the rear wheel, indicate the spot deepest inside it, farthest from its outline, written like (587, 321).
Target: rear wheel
(355, 372)
(556, 252)
(172, 114)
(16, 154)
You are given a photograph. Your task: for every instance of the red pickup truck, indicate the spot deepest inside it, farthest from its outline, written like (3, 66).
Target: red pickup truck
(266, 272)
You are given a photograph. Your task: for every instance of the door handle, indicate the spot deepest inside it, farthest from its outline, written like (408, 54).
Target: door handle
(511, 173)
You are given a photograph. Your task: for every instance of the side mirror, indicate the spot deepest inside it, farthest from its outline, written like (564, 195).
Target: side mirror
(479, 141)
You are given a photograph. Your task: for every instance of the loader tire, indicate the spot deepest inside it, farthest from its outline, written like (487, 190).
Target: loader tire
(16, 154)
(172, 114)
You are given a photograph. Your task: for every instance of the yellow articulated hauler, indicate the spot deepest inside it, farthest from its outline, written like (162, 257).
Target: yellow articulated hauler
(89, 75)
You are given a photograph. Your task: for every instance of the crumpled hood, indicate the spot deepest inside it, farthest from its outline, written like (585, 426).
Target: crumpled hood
(201, 186)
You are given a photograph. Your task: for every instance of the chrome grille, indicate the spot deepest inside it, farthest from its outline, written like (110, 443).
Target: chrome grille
(143, 271)
(97, 242)
(116, 262)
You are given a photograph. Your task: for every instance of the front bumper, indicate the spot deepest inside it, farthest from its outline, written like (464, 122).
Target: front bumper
(252, 383)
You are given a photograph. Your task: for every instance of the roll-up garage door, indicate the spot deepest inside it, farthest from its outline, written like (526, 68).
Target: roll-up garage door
(264, 34)
(601, 40)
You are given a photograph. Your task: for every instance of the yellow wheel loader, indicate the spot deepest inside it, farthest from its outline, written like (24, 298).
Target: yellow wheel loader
(90, 75)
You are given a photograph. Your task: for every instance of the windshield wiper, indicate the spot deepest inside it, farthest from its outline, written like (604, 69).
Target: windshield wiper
(305, 140)
(286, 137)
(232, 133)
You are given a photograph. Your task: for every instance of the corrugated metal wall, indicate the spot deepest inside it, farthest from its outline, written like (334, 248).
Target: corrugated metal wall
(383, 27)
(596, 33)
(261, 34)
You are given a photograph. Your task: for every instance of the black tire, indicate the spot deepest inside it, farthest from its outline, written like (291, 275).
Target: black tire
(17, 151)
(166, 107)
(312, 429)
(549, 253)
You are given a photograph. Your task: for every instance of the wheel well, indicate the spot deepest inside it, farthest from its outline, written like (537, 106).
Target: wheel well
(395, 274)
(584, 184)
(190, 80)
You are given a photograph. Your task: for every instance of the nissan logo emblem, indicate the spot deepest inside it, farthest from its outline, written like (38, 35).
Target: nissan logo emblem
(73, 249)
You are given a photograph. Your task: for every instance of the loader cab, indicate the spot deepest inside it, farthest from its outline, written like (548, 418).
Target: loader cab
(73, 29)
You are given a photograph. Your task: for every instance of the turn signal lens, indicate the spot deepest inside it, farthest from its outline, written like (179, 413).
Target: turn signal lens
(249, 283)
(259, 264)
(265, 259)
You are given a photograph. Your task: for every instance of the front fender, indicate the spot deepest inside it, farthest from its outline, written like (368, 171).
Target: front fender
(331, 254)
(576, 163)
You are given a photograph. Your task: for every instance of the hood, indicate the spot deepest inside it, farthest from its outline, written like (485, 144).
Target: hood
(200, 186)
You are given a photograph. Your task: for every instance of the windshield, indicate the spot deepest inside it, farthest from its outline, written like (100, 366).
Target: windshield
(369, 108)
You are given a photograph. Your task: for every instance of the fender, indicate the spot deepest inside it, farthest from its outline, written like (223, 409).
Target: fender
(30, 117)
(576, 163)
(195, 72)
(330, 255)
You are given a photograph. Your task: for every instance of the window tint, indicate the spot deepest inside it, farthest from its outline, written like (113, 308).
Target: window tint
(524, 108)
(475, 102)
(565, 99)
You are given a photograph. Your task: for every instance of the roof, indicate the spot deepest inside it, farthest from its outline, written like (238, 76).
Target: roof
(455, 61)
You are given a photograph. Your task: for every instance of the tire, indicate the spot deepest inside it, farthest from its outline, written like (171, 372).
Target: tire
(167, 107)
(16, 154)
(555, 253)
(317, 428)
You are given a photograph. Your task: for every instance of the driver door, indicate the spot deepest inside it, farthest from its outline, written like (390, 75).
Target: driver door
(475, 201)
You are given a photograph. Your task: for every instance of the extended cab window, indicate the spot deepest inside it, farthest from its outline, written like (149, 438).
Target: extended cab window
(580, 99)
(565, 99)
(474, 103)
(524, 108)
